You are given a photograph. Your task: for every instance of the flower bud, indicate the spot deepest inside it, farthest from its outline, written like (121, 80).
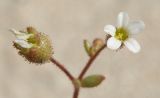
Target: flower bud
(33, 45)
(97, 44)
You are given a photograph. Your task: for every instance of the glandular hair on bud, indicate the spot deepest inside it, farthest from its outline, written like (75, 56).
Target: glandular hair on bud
(42, 49)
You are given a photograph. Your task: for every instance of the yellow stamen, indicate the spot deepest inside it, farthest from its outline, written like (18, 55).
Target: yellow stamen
(121, 34)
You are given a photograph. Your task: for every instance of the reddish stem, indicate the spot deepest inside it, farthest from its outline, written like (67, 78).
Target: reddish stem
(68, 74)
(76, 92)
(85, 69)
(89, 63)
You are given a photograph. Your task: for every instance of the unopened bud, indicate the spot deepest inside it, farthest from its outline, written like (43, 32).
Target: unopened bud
(97, 44)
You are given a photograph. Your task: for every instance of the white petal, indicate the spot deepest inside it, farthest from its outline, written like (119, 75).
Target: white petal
(20, 35)
(136, 27)
(113, 43)
(132, 45)
(110, 30)
(23, 43)
(122, 19)
(15, 32)
(23, 37)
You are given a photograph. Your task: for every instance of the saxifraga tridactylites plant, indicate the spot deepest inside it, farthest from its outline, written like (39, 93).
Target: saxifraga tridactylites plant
(36, 47)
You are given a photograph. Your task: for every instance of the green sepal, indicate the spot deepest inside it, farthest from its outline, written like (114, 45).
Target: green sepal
(87, 47)
(32, 30)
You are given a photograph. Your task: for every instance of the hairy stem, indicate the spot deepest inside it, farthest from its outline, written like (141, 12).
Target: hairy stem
(72, 79)
(85, 69)
(60, 66)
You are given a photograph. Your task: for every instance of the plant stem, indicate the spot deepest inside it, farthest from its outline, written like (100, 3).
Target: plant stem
(76, 92)
(89, 63)
(60, 66)
(85, 69)
(72, 79)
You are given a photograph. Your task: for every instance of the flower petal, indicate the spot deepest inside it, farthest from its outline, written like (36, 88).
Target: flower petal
(113, 43)
(15, 32)
(132, 45)
(136, 27)
(20, 35)
(23, 37)
(23, 43)
(110, 30)
(122, 19)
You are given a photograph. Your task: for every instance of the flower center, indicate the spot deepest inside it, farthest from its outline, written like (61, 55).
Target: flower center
(121, 34)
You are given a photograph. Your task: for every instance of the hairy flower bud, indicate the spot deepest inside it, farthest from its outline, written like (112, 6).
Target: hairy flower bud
(33, 45)
(97, 44)
(94, 47)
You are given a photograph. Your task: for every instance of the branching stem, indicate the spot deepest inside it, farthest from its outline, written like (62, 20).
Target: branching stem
(83, 72)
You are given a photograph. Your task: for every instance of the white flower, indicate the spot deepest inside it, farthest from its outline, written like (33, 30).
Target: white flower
(22, 38)
(33, 45)
(123, 33)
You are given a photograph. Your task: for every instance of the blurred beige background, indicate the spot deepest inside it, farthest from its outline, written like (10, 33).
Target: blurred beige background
(68, 22)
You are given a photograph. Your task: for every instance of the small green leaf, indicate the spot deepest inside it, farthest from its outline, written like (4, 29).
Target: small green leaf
(87, 47)
(92, 81)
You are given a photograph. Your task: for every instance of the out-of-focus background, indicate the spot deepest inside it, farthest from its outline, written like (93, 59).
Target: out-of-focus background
(68, 22)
